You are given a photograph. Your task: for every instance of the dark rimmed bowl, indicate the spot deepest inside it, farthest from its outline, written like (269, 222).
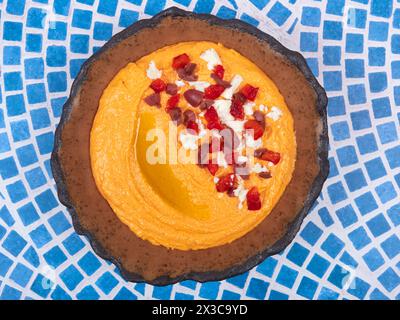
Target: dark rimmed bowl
(137, 259)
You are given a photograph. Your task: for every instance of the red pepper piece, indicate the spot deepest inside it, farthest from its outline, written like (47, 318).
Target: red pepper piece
(213, 91)
(226, 183)
(192, 125)
(213, 168)
(267, 155)
(173, 101)
(212, 118)
(180, 61)
(249, 92)
(219, 71)
(253, 199)
(237, 111)
(158, 85)
(254, 125)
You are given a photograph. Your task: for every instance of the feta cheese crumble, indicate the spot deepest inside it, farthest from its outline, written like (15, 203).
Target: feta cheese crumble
(251, 143)
(258, 168)
(188, 140)
(235, 83)
(152, 71)
(241, 193)
(223, 108)
(248, 108)
(199, 85)
(275, 113)
(211, 57)
(179, 83)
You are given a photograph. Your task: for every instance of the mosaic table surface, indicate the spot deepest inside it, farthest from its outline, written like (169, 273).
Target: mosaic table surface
(348, 246)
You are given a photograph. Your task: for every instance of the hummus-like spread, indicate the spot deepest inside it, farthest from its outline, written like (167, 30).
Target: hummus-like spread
(176, 204)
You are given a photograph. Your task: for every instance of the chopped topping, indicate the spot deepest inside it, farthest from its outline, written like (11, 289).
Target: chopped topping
(275, 113)
(193, 97)
(223, 108)
(241, 193)
(263, 108)
(199, 85)
(211, 57)
(205, 104)
(231, 140)
(213, 168)
(249, 92)
(221, 161)
(158, 85)
(253, 199)
(221, 82)
(173, 101)
(152, 71)
(171, 89)
(188, 115)
(187, 73)
(193, 127)
(180, 61)
(153, 100)
(242, 170)
(213, 91)
(212, 118)
(189, 141)
(251, 142)
(176, 115)
(235, 125)
(265, 175)
(258, 168)
(219, 71)
(267, 155)
(235, 83)
(242, 159)
(248, 108)
(216, 145)
(237, 111)
(258, 130)
(226, 183)
(202, 155)
(260, 118)
(180, 83)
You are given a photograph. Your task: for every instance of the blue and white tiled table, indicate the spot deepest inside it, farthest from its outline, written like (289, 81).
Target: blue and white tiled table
(348, 247)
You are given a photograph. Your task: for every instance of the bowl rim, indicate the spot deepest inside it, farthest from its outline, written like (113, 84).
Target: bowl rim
(294, 57)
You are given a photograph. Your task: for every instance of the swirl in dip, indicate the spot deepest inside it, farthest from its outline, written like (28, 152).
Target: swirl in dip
(217, 171)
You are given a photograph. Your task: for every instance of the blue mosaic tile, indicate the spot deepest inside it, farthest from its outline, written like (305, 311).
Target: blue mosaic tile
(55, 257)
(378, 31)
(28, 214)
(21, 275)
(318, 265)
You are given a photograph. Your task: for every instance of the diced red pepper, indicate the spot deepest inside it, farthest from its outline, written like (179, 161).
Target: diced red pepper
(270, 156)
(216, 145)
(254, 125)
(237, 111)
(253, 199)
(213, 91)
(249, 92)
(226, 183)
(158, 85)
(213, 168)
(211, 114)
(192, 125)
(212, 118)
(173, 101)
(219, 71)
(180, 61)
